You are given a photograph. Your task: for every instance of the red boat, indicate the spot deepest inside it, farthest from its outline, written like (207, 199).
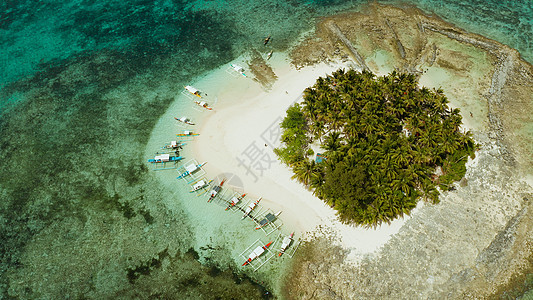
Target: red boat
(256, 253)
(216, 190)
(234, 201)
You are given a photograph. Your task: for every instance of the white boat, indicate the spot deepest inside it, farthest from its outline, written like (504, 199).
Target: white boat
(203, 104)
(193, 91)
(199, 185)
(191, 169)
(234, 201)
(184, 120)
(256, 253)
(286, 243)
(251, 207)
(269, 55)
(268, 219)
(239, 69)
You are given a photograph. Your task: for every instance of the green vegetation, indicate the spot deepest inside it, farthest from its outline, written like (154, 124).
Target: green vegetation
(387, 144)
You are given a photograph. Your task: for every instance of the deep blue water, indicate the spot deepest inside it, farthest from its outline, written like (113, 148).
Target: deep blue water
(71, 70)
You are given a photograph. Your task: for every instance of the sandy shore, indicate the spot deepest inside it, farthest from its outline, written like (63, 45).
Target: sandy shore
(237, 140)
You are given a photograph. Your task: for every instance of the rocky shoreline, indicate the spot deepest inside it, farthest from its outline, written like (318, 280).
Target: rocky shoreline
(478, 239)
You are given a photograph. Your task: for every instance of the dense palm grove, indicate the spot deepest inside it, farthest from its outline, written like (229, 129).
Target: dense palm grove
(387, 144)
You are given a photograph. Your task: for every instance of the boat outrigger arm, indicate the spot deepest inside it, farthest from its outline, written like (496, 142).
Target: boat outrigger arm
(193, 91)
(256, 253)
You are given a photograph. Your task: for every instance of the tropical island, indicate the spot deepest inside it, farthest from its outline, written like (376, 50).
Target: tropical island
(388, 143)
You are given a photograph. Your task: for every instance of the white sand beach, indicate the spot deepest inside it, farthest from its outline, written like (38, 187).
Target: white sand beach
(244, 126)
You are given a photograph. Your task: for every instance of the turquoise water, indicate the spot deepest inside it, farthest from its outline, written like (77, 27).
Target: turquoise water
(82, 85)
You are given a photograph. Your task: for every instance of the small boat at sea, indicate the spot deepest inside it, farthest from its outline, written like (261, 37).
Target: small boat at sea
(286, 243)
(184, 120)
(256, 253)
(216, 190)
(267, 39)
(191, 169)
(269, 55)
(239, 69)
(203, 104)
(269, 218)
(200, 185)
(251, 207)
(162, 158)
(193, 91)
(234, 201)
(187, 133)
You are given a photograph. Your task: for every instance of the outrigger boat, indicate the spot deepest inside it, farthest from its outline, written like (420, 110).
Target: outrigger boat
(256, 253)
(286, 243)
(234, 201)
(203, 104)
(200, 185)
(191, 169)
(267, 39)
(173, 145)
(187, 133)
(251, 207)
(162, 158)
(268, 219)
(239, 69)
(193, 91)
(184, 120)
(216, 190)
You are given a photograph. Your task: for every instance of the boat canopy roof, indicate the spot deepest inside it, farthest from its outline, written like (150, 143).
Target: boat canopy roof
(199, 184)
(162, 157)
(173, 143)
(191, 89)
(238, 68)
(191, 168)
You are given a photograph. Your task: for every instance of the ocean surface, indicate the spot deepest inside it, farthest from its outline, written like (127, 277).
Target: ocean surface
(82, 85)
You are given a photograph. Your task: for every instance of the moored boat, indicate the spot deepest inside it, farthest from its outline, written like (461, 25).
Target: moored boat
(269, 55)
(200, 185)
(251, 207)
(286, 243)
(193, 91)
(184, 120)
(234, 201)
(203, 104)
(191, 169)
(239, 69)
(256, 253)
(268, 219)
(162, 158)
(267, 39)
(216, 190)
(187, 133)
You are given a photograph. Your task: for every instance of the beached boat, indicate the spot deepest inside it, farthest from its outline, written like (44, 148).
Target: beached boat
(191, 169)
(203, 104)
(193, 91)
(234, 201)
(162, 158)
(239, 69)
(187, 133)
(269, 55)
(286, 243)
(184, 120)
(268, 219)
(216, 190)
(267, 39)
(200, 185)
(251, 207)
(256, 253)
